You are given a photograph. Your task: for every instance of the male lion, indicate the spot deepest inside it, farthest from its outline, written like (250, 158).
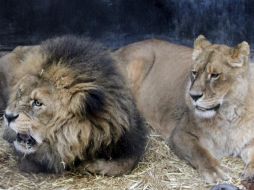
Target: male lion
(207, 101)
(71, 105)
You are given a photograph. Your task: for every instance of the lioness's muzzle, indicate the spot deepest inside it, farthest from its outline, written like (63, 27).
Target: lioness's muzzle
(215, 108)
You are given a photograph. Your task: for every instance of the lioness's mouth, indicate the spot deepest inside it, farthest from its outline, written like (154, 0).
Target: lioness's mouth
(215, 108)
(26, 140)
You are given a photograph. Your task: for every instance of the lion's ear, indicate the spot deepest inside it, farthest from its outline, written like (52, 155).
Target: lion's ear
(239, 54)
(87, 101)
(199, 44)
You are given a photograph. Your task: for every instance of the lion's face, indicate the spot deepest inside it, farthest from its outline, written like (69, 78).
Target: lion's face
(33, 105)
(46, 110)
(218, 77)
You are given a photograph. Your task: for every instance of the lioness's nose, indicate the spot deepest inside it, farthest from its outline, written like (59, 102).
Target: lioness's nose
(10, 116)
(195, 97)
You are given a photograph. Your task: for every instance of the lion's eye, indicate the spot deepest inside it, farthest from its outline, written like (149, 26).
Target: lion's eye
(215, 75)
(36, 103)
(194, 73)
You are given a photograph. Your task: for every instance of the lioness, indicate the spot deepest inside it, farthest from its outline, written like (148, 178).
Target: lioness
(205, 97)
(69, 105)
(155, 70)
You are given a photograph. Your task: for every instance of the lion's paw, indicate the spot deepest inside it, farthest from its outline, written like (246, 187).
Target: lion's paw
(100, 167)
(111, 167)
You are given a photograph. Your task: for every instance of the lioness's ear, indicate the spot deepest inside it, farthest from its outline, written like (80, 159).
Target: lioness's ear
(199, 44)
(240, 54)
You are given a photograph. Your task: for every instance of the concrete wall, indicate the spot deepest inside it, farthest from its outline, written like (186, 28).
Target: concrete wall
(117, 22)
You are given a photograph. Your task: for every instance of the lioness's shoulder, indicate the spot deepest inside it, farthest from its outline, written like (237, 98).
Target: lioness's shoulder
(149, 47)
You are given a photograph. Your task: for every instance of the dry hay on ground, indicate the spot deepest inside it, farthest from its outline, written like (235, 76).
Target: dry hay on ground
(159, 170)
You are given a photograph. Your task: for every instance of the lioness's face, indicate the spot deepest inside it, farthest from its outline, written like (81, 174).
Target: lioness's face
(215, 75)
(31, 109)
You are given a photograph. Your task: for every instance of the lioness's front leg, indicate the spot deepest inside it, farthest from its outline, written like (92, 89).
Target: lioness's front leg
(187, 146)
(111, 167)
(247, 155)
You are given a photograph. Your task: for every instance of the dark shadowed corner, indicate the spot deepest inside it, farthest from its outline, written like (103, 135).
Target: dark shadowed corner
(117, 23)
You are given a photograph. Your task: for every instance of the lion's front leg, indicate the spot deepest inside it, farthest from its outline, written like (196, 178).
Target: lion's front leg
(29, 166)
(111, 167)
(188, 147)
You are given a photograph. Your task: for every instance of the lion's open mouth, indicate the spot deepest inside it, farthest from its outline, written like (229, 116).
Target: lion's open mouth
(26, 140)
(215, 108)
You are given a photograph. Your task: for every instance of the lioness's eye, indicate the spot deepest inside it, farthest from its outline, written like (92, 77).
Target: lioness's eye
(215, 75)
(36, 103)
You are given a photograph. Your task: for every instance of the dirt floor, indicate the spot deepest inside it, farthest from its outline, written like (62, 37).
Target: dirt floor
(159, 170)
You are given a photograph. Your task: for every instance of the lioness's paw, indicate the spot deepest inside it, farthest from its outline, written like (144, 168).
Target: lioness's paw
(249, 171)
(225, 187)
(214, 173)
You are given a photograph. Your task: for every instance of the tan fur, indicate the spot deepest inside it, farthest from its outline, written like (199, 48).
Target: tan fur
(81, 115)
(200, 137)
(8, 64)
(152, 69)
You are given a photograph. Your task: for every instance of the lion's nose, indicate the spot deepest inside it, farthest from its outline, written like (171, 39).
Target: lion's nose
(195, 97)
(10, 116)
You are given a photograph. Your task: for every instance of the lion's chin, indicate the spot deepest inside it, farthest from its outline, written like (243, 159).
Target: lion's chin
(23, 148)
(25, 143)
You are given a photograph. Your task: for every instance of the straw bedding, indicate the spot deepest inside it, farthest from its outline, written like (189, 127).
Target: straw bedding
(160, 169)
